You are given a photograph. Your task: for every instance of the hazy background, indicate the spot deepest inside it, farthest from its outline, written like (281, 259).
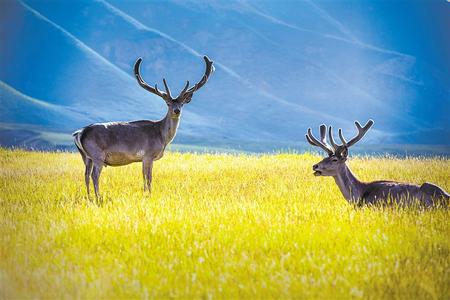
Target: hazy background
(281, 66)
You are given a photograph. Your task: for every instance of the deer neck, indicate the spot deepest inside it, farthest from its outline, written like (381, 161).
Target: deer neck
(169, 126)
(351, 188)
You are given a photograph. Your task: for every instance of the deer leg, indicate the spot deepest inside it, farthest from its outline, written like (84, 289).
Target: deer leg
(434, 195)
(97, 170)
(143, 175)
(147, 167)
(88, 169)
(87, 173)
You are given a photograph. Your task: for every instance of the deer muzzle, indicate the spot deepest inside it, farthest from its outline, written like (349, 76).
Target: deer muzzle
(316, 170)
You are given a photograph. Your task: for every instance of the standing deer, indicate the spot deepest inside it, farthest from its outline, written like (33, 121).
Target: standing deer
(376, 192)
(122, 143)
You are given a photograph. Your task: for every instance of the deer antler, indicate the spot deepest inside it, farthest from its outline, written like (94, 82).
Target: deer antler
(322, 143)
(185, 93)
(361, 132)
(208, 71)
(330, 134)
(184, 90)
(167, 89)
(145, 85)
(335, 148)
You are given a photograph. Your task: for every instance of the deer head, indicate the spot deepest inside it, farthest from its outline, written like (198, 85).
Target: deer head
(337, 154)
(185, 96)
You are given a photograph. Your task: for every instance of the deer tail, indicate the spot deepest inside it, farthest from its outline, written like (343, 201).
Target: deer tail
(77, 140)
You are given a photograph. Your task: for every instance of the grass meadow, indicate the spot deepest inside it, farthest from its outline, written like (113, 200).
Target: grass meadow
(216, 226)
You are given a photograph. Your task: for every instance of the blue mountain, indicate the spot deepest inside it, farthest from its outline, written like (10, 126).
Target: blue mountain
(281, 66)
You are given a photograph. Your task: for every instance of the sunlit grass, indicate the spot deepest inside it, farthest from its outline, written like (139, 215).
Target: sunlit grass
(216, 226)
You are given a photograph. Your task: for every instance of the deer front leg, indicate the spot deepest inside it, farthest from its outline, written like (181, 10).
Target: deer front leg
(147, 167)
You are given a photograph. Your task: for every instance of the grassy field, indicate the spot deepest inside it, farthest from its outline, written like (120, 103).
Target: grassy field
(216, 226)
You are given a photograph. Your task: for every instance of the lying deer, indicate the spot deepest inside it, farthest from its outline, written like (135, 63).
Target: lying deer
(376, 192)
(122, 143)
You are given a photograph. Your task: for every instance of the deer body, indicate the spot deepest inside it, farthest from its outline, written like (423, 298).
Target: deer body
(122, 143)
(386, 192)
(370, 193)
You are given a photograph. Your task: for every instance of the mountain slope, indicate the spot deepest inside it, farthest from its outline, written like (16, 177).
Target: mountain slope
(280, 68)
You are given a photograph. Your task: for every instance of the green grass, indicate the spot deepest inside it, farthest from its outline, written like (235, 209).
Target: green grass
(216, 226)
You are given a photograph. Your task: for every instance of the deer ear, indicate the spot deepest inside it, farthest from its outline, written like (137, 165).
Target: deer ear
(344, 152)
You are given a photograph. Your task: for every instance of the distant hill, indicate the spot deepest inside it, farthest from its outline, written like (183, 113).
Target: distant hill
(280, 67)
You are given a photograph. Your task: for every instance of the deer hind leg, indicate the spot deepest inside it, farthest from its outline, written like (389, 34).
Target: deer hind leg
(143, 176)
(88, 164)
(97, 170)
(434, 195)
(87, 173)
(147, 168)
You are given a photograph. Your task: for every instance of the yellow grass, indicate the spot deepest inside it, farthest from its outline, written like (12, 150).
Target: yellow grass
(216, 226)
